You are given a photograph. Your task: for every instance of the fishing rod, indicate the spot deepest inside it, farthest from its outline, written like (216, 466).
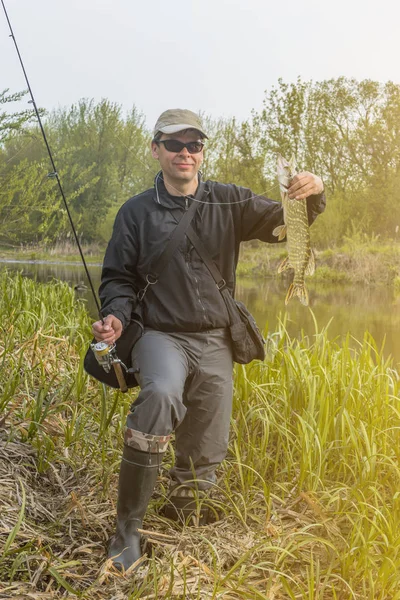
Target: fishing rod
(105, 354)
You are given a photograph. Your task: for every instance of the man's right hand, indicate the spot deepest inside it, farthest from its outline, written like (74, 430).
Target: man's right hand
(108, 331)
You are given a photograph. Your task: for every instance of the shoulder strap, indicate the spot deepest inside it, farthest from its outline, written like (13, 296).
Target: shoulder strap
(174, 240)
(167, 253)
(206, 258)
(215, 273)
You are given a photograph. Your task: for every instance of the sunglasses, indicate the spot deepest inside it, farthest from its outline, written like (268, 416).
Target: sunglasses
(177, 146)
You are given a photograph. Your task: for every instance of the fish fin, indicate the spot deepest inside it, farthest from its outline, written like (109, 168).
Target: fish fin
(285, 265)
(289, 294)
(292, 163)
(303, 295)
(310, 269)
(280, 232)
(297, 290)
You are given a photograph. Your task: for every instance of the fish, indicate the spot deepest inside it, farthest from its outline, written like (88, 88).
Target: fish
(297, 232)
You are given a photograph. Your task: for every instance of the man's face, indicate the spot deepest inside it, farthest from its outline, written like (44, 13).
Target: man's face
(179, 166)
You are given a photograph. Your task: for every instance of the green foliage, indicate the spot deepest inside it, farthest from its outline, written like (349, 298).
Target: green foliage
(102, 159)
(232, 156)
(114, 149)
(28, 202)
(345, 130)
(349, 133)
(326, 273)
(12, 123)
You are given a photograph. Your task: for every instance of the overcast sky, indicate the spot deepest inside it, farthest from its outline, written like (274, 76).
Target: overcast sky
(217, 56)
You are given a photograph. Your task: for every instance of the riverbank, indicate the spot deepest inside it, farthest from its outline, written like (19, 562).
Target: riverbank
(66, 252)
(370, 263)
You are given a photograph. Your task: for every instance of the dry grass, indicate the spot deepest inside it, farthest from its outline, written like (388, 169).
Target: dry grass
(63, 523)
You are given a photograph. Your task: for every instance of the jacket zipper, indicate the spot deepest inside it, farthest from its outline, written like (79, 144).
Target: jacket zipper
(193, 273)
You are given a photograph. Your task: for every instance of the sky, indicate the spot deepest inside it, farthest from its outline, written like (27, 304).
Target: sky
(214, 56)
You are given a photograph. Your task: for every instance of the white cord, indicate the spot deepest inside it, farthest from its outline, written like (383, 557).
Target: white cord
(199, 201)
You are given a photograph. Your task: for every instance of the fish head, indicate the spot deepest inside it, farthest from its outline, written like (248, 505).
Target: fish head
(286, 172)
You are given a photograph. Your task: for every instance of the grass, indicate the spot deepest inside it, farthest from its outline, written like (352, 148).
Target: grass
(309, 491)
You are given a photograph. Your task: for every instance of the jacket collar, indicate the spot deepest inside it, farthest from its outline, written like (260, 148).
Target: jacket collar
(167, 200)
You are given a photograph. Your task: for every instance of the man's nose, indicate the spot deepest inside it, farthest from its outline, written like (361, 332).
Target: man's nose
(185, 151)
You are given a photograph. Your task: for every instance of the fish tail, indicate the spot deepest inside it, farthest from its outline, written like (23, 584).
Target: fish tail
(299, 290)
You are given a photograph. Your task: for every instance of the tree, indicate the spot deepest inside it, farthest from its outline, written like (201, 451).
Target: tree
(12, 123)
(348, 132)
(102, 159)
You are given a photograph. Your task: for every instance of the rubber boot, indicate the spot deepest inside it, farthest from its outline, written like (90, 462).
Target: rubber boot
(190, 506)
(137, 479)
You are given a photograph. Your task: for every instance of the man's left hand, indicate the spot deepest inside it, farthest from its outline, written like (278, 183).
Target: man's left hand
(305, 184)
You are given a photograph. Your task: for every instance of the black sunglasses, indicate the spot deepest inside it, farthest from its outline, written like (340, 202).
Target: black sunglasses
(177, 146)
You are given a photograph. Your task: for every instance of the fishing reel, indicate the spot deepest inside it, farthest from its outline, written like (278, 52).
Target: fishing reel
(106, 356)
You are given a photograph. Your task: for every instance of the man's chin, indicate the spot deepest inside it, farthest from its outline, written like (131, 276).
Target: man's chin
(185, 175)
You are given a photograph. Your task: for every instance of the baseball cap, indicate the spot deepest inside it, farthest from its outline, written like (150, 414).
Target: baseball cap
(178, 119)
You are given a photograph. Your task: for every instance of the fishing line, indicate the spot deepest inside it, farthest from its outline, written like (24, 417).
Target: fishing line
(54, 173)
(276, 185)
(203, 201)
(35, 139)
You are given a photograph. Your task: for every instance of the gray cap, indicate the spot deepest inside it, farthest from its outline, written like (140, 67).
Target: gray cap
(178, 119)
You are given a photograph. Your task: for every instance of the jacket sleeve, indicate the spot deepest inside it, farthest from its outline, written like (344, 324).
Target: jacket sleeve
(261, 215)
(118, 283)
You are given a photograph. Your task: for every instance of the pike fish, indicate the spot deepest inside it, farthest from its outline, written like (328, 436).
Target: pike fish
(296, 229)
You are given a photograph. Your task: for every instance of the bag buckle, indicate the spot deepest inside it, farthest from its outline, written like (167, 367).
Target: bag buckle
(221, 284)
(150, 280)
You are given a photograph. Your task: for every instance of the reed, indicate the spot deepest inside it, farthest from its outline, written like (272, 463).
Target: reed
(309, 491)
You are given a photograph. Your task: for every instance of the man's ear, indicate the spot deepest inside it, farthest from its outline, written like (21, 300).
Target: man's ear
(154, 150)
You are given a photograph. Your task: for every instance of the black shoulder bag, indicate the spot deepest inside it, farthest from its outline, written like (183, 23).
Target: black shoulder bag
(135, 329)
(247, 341)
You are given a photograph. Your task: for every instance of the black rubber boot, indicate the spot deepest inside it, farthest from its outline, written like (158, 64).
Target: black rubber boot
(190, 507)
(137, 478)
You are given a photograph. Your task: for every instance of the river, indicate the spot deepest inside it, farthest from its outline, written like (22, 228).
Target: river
(342, 308)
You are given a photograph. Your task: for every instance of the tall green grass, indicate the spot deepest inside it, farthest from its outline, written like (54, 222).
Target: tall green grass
(310, 489)
(320, 421)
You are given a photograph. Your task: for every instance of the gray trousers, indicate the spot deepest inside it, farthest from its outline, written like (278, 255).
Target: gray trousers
(186, 387)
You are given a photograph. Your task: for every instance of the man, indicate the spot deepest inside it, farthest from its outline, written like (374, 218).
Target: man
(184, 358)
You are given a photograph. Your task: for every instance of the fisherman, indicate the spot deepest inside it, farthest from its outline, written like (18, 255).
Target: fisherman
(184, 359)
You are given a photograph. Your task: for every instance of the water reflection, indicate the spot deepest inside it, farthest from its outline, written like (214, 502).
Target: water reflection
(345, 308)
(342, 308)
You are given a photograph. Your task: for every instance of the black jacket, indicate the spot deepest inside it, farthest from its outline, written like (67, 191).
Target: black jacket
(185, 298)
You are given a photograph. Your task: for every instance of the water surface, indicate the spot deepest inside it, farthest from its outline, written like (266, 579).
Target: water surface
(343, 308)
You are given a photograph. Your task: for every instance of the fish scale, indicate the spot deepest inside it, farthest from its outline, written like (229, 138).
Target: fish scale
(296, 229)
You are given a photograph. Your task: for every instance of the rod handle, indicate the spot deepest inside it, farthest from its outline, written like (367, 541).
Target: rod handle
(120, 377)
